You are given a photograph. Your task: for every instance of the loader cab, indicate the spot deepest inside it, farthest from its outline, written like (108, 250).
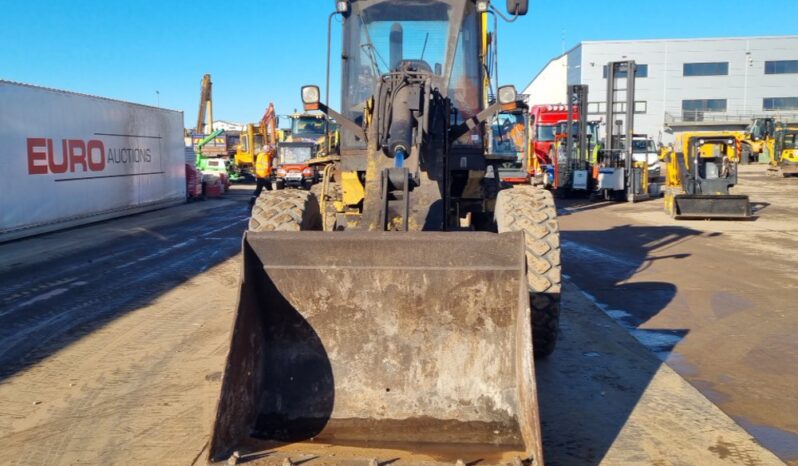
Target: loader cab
(509, 134)
(307, 127)
(785, 153)
(439, 37)
(509, 144)
(761, 128)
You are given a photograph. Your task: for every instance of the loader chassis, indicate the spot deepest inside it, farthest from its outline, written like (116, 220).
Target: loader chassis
(420, 339)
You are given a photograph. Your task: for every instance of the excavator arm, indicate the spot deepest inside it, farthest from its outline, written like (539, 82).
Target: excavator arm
(205, 106)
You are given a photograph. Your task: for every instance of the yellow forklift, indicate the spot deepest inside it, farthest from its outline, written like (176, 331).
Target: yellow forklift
(701, 170)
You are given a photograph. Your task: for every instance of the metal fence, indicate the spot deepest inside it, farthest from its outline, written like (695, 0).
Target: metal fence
(699, 116)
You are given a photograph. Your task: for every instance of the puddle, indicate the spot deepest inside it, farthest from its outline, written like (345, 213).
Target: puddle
(708, 390)
(782, 443)
(678, 363)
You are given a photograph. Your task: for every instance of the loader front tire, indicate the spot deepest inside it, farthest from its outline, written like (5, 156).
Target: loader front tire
(285, 210)
(531, 209)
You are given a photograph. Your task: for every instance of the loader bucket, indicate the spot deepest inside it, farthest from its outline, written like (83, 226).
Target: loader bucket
(694, 206)
(380, 339)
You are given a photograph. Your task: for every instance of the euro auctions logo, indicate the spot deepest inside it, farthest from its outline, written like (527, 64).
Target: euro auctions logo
(78, 156)
(73, 155)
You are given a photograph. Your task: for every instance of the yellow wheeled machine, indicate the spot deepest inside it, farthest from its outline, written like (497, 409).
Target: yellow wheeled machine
(784, 151)
(699, 178)
(406, 330)
(757, 140)
(254, 139)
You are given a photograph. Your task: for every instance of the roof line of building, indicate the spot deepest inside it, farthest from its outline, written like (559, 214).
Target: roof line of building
(549, 63)
(98, 97)
(690, 39)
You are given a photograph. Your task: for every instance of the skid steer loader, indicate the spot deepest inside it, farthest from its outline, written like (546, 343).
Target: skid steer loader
(404, 330)
(699, 178)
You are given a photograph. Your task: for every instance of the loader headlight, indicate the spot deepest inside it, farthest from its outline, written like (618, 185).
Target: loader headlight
(483, 5)
(507, 94)
(342, 6)
(310, 97)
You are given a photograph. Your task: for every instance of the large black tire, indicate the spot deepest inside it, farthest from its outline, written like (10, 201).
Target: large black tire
(285, 210)
(531, 209)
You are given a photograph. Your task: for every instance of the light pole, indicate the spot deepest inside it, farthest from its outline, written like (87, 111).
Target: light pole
(157, 98)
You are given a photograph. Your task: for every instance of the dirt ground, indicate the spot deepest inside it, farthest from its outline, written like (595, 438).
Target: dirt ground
(104, 362)
(715, 299)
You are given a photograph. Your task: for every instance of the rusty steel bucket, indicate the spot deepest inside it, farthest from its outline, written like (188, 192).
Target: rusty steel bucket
(376, 339)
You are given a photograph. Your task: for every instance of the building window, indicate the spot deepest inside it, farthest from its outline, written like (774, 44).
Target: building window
(693, 110)
(640, 72)
(780, 103)
(706, 69)
(600, 108)
(596, 108)
(781, 67)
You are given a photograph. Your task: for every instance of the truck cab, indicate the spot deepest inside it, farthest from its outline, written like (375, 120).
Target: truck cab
(645, 150)
(544, 129)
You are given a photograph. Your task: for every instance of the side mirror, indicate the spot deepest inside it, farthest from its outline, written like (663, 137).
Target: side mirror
(517, 7)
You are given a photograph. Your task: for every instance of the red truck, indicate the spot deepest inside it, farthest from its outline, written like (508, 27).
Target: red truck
(542, 132)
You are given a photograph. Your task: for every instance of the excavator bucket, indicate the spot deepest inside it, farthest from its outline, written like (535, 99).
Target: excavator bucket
(417, 341)
(695, 206)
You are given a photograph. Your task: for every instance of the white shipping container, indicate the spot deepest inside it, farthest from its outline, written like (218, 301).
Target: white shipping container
(69, 159)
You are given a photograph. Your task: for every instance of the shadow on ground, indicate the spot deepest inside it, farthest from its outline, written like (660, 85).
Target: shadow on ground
(590, 386)
(46, 306)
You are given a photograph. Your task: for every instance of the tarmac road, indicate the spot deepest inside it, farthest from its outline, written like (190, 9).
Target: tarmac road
(94, 274)
(114, 337)
(715, 300)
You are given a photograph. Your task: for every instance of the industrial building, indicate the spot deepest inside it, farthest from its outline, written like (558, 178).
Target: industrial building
(683, 83)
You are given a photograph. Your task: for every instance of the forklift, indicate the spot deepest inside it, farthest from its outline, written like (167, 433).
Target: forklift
(618, 176)
(572, 162)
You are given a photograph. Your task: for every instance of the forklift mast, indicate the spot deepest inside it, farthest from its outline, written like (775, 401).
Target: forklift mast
(577, 98)
(621, 102)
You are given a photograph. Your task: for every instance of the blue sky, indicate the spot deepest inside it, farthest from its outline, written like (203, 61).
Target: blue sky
(265, 50)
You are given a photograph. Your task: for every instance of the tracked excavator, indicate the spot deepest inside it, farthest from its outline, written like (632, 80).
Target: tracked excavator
(404, 331)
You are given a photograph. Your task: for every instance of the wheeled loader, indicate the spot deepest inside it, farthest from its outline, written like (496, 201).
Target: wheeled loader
(405, 331)
(699, 178)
